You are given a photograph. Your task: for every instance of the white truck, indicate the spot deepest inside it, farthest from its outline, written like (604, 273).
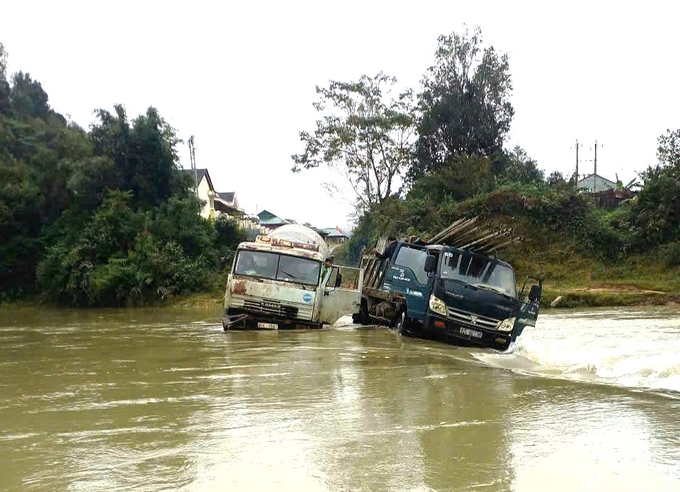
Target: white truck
(278, 282)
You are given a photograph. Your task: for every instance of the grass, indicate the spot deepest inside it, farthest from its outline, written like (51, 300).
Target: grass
(203, 300)
(586, 281)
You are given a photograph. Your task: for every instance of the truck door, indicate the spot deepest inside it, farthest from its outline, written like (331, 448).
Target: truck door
(341, 294)
(406, 275)
(529, 306)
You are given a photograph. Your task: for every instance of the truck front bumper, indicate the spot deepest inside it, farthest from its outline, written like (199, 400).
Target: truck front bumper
(238, 319)
(455, 333)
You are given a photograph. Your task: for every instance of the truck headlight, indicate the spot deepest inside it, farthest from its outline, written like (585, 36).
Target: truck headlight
(506, 324)
(437, 305)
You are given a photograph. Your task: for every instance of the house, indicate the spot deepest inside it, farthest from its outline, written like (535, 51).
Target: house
(611, 198)
(603, 192)
(594, 183)
(269, 221)
(226, 203)
(205, 191)
(229, 198)
(215, 203)
(334, 237)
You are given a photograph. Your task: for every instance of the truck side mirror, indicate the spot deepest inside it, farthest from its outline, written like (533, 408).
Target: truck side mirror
(338, 279)
(534, 293)
(430, 263)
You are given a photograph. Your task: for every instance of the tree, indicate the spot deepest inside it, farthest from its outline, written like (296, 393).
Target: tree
(520, 168)
(668, 151)
(364, 134)
(144, 155)
(657, 208)
(28, 97)
(5, 105)
(463, 178)
(556, 180)
(465, 107)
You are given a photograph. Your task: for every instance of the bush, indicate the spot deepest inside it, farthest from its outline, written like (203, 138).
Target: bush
(670, 254)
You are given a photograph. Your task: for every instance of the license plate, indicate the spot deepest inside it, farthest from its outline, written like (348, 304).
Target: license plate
(471, 333)
(268, 326)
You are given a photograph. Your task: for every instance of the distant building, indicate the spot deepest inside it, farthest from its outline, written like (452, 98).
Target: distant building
(215, 203)
(611, 198)
(229, 198)
(603, 192)
(269, 221)
(594, 183)
(334, 237)
(205, 191)
(226, 202)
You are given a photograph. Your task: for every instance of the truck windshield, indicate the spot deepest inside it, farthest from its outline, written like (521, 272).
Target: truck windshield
(479, 271)
(275, 266)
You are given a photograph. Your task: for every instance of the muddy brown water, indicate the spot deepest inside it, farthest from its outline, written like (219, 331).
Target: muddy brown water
(154, 399)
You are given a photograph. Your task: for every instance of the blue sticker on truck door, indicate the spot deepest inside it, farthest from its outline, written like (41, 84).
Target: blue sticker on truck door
(307, 297)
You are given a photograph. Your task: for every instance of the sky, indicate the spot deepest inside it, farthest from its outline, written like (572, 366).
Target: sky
(241, 77)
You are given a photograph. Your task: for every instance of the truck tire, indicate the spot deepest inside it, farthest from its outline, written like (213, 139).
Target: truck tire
(362, 317)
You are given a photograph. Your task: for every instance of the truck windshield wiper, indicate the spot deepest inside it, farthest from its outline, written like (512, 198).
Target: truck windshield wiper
(459, 281)
(493, 289)
(289, 274)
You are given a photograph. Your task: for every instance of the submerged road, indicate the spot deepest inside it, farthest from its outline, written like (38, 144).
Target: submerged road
(153, 399)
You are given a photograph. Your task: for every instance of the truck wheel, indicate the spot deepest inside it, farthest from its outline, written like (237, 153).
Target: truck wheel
(402, 321)
(362, 317)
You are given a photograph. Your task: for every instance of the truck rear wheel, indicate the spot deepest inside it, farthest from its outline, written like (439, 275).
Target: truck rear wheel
(362, 317)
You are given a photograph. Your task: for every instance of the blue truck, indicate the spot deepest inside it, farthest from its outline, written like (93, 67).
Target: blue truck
(448, 293)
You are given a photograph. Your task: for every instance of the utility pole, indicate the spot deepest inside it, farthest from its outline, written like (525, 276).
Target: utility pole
(595, 161)
(577, 160)
(192, 158)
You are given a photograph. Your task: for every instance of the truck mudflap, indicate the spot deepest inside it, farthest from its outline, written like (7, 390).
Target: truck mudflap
(445, 330)
(252, 321)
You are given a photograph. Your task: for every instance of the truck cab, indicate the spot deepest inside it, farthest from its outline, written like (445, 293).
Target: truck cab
(276, 282)
(450, 294)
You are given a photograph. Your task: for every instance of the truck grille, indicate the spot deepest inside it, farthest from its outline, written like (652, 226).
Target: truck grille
(271, 307)
(471, 319)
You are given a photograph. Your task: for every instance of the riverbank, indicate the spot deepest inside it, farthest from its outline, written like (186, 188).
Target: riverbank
(594, 294)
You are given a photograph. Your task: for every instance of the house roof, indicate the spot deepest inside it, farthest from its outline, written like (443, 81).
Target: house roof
(224, 206)
(597, 176)
(333, 232)
(227, 196)
(200, 174)
(268, 218)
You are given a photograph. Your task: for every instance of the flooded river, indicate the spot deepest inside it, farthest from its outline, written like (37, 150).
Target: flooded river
(165, 400)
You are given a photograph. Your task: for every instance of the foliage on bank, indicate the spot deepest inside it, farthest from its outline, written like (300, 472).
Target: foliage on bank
(459, 167)
(103, 217)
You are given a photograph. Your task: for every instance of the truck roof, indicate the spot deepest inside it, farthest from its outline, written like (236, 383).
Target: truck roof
(440, 247)
(285, 250)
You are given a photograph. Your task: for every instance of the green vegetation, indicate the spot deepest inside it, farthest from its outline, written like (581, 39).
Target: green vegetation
(103, 217)
(458, 167)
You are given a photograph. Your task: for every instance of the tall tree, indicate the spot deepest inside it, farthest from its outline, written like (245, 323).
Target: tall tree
(144, 154)
(465, 106)
(364, 134)
(5, 106)
(657, 209)
(28, 97)
(520, 168)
